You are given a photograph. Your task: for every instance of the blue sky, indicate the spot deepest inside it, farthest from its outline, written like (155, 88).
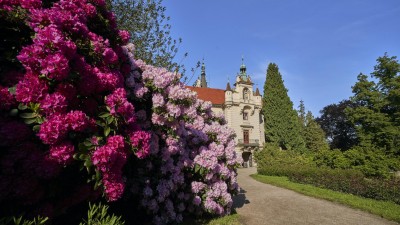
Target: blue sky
(320, 46)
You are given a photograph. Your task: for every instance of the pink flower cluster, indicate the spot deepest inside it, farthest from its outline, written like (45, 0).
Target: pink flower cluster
(58, 90)
(119, 105)
(109, 159)
(192, 139)
(87, 102)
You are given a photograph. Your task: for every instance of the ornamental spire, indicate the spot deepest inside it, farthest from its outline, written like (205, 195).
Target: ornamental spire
(243, 68)
(203, 81)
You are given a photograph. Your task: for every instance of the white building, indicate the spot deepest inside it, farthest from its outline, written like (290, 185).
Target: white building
(241, 107)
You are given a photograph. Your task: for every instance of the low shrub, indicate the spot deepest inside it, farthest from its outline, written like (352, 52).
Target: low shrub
(349, 181)
(348, 173)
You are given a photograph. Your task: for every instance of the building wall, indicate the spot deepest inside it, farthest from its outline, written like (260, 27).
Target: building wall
(236, 105)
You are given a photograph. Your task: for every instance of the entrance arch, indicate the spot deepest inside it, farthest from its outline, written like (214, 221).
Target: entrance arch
(247, 159)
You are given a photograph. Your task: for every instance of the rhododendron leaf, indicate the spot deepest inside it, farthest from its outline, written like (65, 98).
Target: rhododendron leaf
(36, 128)
(13, 112)
(28, 115)
(88, 163)
(22, 106)
(30, 121)
(76, 156)
(100, 123)
(87, 143)
(39, 120)
(82, 157)
(107, 131)
(196, 168)
(110, 119)
(12, 90)
(104, 114)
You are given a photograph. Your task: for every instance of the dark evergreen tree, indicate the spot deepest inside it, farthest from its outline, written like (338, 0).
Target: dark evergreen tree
(340, 132)
(377, 116)
(302, 113)
(282, 125)
(311, 132)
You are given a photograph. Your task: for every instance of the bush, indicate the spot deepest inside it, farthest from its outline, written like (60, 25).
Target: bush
(275, 162)
(371, 162)
(301, 169)
(349, 181)
(82, 120)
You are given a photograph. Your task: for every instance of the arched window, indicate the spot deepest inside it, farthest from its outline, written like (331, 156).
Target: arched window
(246, 94)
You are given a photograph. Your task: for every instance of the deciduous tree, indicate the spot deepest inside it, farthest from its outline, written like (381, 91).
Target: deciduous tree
(340, 132)
(150, 31)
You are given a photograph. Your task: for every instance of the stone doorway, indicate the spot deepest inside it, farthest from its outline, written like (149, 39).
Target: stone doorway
(247, 159)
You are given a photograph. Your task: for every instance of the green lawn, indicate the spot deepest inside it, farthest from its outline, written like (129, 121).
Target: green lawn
(232, 219)
(385, 209)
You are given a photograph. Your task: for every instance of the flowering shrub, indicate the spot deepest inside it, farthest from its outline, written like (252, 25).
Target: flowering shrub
(77, 111)
(193, 167)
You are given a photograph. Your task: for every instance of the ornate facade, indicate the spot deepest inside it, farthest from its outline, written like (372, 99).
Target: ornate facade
(241, 106)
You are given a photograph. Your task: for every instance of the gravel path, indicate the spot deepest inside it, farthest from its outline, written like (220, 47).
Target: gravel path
(260, 203)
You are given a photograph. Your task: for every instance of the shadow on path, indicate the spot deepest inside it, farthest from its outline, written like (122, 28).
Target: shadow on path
(240, 200)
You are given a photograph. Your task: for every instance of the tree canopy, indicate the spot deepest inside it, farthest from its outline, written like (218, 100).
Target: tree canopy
(150, 31)
(377, 115)
(340, 132)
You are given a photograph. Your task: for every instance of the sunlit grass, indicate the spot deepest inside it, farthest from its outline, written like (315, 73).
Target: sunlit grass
(385, 209)
(232, 219)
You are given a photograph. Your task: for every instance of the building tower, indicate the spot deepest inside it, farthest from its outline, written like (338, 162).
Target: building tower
(201, 81)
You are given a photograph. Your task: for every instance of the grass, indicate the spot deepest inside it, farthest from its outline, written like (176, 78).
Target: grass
(232, 219)
(385, 209)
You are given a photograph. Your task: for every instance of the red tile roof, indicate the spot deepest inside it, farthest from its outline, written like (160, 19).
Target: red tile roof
(215, 96)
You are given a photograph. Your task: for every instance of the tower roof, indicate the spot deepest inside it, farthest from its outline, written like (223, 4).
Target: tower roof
(257, 92)
(228, 87)
(242, 75)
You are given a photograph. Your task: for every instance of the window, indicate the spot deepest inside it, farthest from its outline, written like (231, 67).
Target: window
(245, 115)
(246, 94)
(245, 136)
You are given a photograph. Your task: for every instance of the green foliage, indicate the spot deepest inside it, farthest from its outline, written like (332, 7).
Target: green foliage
(339, 131)
(98, 215)
(21, 221)
(349, 181)
(273, 161)
(371, 162)
(232, 219)
(281, 120)
(377, 114)
(313, 135)
(150, 31)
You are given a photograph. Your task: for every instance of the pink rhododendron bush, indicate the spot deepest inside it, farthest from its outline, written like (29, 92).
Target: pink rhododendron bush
(82, 120)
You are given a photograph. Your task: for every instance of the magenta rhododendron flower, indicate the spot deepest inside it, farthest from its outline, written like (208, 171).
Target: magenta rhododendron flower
(62, 153)
(54, 130)
(78, 98)
(141, 140)
(31, 89)
(53, 103)
(109, 159)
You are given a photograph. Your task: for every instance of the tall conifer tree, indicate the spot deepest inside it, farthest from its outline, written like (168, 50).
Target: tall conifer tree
(281, 121)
